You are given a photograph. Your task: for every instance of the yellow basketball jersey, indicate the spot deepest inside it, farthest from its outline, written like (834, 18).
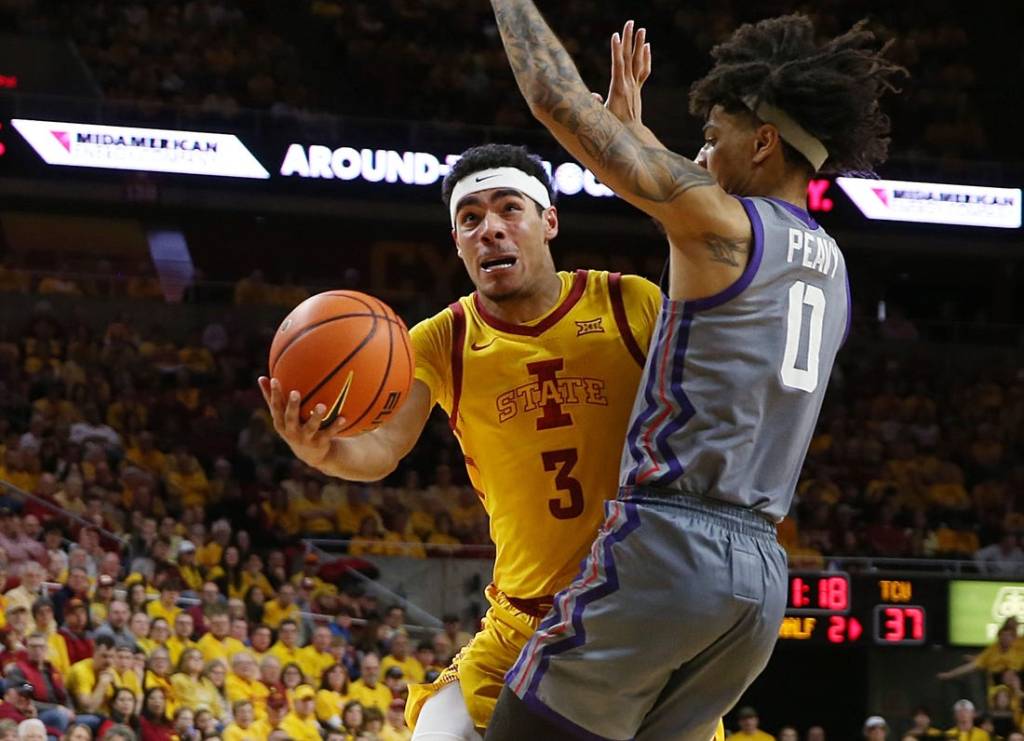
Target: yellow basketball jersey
(540, 410)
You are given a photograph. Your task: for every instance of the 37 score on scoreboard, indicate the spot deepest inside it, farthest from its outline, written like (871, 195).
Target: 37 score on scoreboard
(830, 607)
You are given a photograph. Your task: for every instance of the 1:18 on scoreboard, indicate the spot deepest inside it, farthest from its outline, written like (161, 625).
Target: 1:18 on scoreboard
(818, 593)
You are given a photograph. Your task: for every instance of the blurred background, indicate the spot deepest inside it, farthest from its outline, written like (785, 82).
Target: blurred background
(176, 175)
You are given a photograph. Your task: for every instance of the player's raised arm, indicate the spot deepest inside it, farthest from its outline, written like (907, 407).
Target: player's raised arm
(367, 457)
(681, 194)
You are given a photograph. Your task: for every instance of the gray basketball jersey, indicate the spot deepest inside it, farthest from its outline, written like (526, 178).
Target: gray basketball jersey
(733, 383)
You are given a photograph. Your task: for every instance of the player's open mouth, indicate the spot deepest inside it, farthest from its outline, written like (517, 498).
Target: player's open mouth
(498, 263)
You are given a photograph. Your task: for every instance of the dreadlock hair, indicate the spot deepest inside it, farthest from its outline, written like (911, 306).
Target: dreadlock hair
(832, 89)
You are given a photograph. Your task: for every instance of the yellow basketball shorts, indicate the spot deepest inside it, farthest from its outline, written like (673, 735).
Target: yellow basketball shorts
(480, 666)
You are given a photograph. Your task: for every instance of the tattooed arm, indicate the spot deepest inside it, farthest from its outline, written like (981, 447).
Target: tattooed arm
(708, 227)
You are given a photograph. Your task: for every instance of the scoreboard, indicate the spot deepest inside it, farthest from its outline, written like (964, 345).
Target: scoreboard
(840, 609)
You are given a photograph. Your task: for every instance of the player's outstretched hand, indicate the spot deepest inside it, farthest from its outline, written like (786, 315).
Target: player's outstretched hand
(631, 66)
(308, 441)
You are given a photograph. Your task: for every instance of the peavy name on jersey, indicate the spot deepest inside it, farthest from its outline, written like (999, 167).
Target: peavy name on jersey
(817, 252)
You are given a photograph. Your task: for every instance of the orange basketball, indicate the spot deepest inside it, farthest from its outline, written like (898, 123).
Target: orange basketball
(347, 351)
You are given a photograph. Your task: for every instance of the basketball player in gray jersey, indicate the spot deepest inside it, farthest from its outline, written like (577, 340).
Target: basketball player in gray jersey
(678, 606)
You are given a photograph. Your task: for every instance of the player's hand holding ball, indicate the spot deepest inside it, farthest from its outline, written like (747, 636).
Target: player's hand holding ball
(341, 363)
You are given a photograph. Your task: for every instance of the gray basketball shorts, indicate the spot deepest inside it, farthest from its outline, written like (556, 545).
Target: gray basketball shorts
(675, 611)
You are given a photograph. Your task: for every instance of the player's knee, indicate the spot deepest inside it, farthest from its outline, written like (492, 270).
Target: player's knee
(445, 718)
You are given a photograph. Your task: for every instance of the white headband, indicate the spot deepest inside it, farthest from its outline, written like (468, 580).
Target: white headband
(499, 177)
(791, 132)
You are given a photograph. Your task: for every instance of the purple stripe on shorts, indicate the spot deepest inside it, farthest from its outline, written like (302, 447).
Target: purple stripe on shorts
(602, 588)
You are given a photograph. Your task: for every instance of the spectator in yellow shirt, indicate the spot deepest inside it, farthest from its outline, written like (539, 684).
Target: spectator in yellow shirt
(291, 677)
(373, 540)
(395, 681)
(287, 649)
(995, 659)
(468, 514)
(186, 480)
(241, 727)
(158, 674)
(310, 570)
(56, 646)
(239, 625)
(270, 674)
(395, 728)
(228, 574)
(282, 607)
(442, 536)
(301, 724)
(217, 643)
(453, 629)
(426, 655)
(144, 453)
(159, 632)
(749, 731)
(355, 509)
(124, 667)
(191, 574)
(401, 657)
(332, 696)
(213, 551)
(138, 626)
(216, 673)
(261, 639)
(316, 658)
(253, 576)
(166, 606)
(91, 682)
(277, 709)
(368, 689)
(244, 683)
(311, 514)
(191, 688)
(965, 730)
(182, 637)
(352, 718)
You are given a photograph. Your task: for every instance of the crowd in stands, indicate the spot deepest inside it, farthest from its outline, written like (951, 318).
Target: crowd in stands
(911, 459)
(153, 577)
(383, 59)
(965, 724)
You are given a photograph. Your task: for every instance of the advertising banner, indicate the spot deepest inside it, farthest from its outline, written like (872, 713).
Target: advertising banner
(978, 608)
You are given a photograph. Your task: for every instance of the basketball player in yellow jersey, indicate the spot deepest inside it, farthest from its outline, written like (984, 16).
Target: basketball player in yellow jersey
(537, 371)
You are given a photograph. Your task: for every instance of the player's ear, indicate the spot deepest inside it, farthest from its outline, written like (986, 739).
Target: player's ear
(766, 142)
(455, 239)
(550, 218)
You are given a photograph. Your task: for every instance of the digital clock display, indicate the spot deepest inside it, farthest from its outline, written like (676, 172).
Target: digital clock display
(824, 593)
(832, 608)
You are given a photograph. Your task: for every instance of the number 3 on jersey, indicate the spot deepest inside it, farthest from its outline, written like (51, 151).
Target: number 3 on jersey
(563, 461)
(806, 378)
